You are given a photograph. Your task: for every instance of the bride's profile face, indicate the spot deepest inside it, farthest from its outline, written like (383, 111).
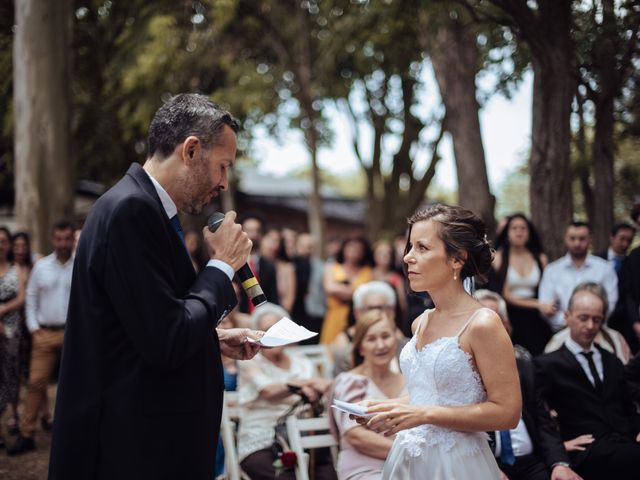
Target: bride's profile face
(428, 265)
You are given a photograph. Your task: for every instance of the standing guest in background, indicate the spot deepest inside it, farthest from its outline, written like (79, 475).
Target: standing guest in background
(585, 385)
(47, 301)
(362, 451)
(272, 248)
(620, 240)
(577, 266)
(518, 264)
(290, 237)
(264, 270)
(351, 269)
(193, 242)
(332, 247)
(383, 270)
(140, 393)
(12, 296)
(310, 305)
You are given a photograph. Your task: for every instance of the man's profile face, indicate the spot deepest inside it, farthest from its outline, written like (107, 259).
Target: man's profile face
(577, 241)
(585, 317)
(621, 241)
(209, 173)
(62, 241)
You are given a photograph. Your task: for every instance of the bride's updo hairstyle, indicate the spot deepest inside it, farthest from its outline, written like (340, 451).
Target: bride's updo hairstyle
(464, 235)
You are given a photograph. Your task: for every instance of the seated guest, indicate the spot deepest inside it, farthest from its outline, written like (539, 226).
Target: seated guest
(533, 450)
(585, 385)
(266, 386)
(370, 296)
(363, 451)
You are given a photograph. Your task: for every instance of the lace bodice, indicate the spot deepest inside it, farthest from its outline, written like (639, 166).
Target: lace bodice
(441, 373)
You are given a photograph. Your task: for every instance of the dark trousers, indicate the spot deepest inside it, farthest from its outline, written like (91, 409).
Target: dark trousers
(615, 457)
(259, 466)
(527, 467)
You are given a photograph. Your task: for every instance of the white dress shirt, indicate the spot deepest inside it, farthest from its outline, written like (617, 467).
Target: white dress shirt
(597, 359)
(520, 441)
(171, 210)
(48, 291)
(562, 276)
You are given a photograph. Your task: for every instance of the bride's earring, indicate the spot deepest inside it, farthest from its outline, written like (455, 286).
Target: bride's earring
(455, 274)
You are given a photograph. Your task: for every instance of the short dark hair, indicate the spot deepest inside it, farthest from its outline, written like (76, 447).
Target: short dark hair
(254, 216)
(580, 224)
(184, 115)
(62, 225)
(622, 226)
(460, 230)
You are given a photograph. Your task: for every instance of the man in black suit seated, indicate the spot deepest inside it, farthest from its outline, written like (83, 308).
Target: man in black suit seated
(141, 384)
(586, 386)
(535, 450)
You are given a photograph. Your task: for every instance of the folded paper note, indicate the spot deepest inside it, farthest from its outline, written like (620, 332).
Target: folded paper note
(352, 408)
(283, 333)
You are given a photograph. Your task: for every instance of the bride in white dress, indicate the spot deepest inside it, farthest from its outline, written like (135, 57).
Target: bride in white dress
(460, 367)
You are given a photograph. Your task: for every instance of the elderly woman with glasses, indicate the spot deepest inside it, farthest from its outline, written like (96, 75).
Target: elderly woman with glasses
(375, 295)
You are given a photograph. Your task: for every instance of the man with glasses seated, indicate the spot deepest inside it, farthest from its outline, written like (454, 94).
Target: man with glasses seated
(375, 295)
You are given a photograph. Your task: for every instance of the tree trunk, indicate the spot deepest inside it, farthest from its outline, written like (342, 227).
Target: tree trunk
(549, 166)
(454, 56)
(42, 74)
(604, 56)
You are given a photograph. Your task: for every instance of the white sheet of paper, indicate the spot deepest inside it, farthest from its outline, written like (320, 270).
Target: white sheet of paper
(283, 333)
(351, 408)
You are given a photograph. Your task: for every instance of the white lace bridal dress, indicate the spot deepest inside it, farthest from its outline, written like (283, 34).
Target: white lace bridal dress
(440, 374)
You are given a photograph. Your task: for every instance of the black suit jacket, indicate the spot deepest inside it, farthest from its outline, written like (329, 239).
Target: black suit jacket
(581, 408)
(141, 386)
(546, 440)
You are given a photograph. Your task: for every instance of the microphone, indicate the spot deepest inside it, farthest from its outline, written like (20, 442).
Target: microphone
(247, 278)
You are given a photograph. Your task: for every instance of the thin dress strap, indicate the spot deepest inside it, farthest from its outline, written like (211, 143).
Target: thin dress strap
(464, 327)
(425, 315)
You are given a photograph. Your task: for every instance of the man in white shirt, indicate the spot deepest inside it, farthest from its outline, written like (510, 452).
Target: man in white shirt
(586, 386)
(47, 301)
(577, 266)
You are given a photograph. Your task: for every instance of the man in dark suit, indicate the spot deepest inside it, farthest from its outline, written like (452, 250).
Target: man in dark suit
(585, 385)
(535, 450)
(620, 240)
(141, 385)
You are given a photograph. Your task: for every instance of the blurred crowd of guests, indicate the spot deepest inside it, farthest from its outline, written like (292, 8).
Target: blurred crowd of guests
(574, 323)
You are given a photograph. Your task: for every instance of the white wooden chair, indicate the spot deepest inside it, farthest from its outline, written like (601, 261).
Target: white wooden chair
(319, 356)
(230, 411)
(317, 435)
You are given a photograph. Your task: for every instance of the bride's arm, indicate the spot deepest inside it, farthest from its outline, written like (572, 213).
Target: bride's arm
(494, 358)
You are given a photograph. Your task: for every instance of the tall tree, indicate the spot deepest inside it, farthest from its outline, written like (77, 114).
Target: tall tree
(42, 103)
(607, 43)
(544, 28)
(378, 85)
(455, 56)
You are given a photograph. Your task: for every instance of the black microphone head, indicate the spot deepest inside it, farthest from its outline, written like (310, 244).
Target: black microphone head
(214, 221)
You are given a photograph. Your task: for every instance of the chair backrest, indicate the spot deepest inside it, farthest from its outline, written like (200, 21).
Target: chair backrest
(318, 355)
(230, 411)
(309, 433)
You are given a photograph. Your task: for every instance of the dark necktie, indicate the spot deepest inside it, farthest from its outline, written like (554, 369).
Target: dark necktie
(175, 223)
(617, 262)
(506, 449)
(594, 372)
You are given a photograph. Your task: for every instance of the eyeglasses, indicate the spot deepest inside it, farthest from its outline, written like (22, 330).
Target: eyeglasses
(378, 307)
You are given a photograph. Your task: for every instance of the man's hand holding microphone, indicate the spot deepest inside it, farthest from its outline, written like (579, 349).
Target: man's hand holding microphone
(227, 242)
